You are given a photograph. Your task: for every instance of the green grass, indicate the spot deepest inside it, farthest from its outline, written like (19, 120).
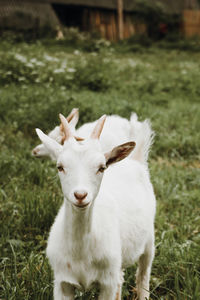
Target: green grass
(37, 81)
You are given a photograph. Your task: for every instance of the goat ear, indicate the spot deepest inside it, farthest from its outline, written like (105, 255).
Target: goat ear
(52, 146)
(118, 153)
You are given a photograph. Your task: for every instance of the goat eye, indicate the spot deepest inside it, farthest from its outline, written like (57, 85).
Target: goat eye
(101, 169)
(60, 168)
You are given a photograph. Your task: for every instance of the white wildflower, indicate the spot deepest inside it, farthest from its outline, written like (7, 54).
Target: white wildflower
(77, 52)
(56, 71)
(50, 58)
(21, 78)
(30, 65)
(132, 63)
(39, 63)
(20, 58)
(71, 70)
(36, 62)
(33, 60)
(184, 72)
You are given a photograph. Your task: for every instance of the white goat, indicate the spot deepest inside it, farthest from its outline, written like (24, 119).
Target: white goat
(106, 222)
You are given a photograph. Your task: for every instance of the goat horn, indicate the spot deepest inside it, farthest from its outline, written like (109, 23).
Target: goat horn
(61, 128)
(72, 114)
(65, 126)
(98, 128)
(69, 118)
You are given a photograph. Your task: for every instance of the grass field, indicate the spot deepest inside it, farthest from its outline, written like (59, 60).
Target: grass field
(37, 81)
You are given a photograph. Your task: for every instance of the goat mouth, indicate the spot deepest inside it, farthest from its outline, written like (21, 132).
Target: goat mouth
(82, 205)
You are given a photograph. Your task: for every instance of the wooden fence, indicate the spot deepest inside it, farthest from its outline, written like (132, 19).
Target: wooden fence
(191, 23)
(105, 22)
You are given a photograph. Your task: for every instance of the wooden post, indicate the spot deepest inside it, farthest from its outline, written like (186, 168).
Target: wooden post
(120, 19)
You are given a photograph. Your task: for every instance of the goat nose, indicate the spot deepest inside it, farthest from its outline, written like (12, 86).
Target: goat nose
(35, 151)
(80, 195)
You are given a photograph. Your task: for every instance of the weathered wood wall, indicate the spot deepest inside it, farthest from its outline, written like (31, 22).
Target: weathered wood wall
(191, 23)
(105, 22)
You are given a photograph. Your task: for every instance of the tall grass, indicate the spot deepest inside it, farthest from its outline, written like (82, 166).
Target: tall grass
(37, 82)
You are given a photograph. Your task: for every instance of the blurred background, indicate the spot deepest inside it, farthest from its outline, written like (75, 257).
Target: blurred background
(110, 19)
(113, 57)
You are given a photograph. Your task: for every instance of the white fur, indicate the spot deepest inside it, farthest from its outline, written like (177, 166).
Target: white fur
(116, 131)
(93, 244)
(143, 135)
